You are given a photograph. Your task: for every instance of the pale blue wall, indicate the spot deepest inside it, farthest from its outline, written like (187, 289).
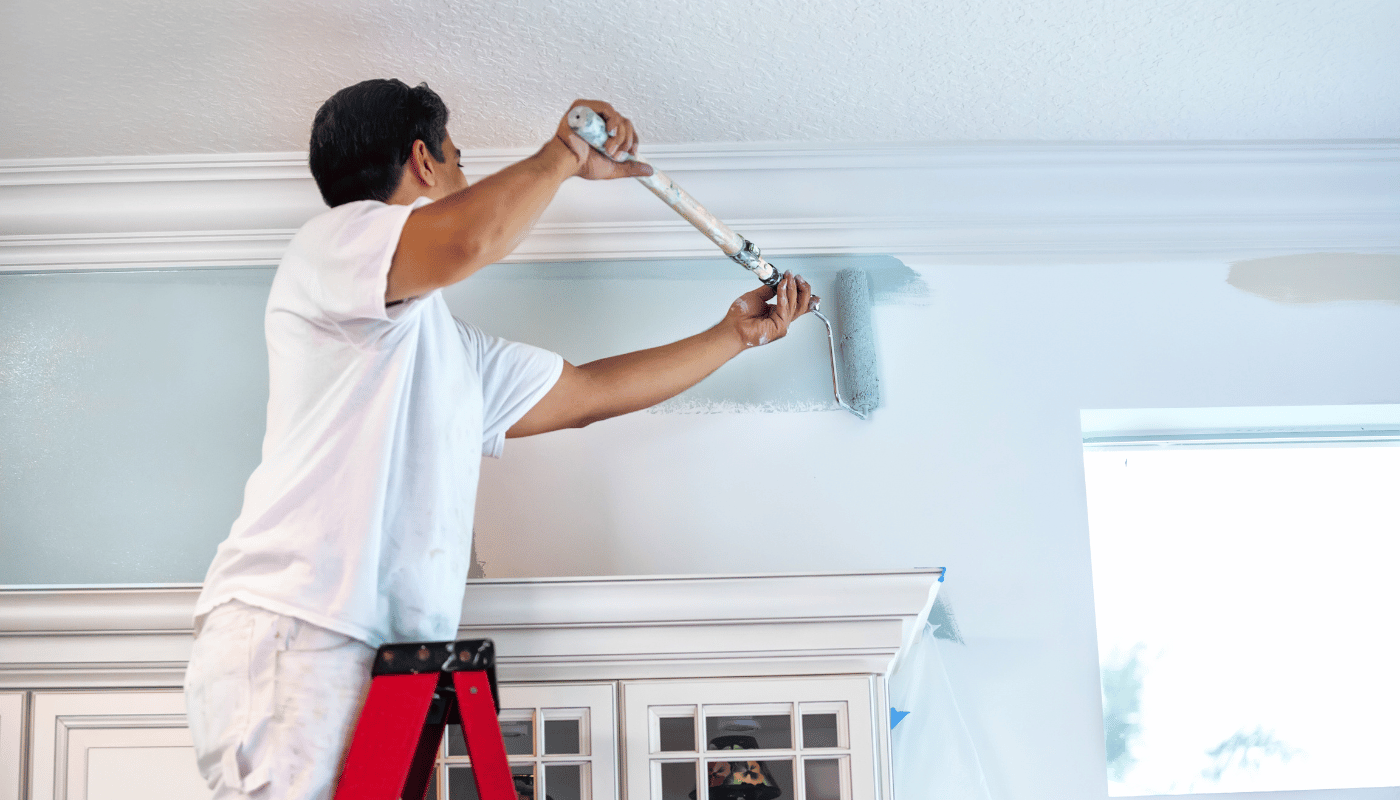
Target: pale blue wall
(131, 413)
(132, 404)
(974, 463)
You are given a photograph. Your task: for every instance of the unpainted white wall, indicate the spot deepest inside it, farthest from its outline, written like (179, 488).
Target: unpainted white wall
(974, 463)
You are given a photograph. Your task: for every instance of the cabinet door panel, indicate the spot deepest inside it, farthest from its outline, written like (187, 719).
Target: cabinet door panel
(12, 726)
(113, 746)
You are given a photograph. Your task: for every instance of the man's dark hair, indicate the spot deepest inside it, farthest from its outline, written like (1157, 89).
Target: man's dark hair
(364, 135)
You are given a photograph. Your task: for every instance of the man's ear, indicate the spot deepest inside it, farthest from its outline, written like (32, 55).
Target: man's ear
(421, 161)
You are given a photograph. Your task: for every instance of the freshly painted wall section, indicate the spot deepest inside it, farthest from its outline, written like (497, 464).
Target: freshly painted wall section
(590, 310)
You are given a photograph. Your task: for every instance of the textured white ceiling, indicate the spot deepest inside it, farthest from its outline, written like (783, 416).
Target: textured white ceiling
(136, 77)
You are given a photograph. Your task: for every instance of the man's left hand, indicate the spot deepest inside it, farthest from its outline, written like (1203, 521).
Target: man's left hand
(758, 321)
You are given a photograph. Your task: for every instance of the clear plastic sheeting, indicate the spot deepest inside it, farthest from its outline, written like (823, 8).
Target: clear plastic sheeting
(932, 754)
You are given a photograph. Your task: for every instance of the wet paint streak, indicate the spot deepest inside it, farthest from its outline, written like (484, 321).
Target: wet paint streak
(891, 282)
(701, 405)
(797, 381)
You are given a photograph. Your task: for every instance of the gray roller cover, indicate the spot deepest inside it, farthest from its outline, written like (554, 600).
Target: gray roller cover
(855, 341)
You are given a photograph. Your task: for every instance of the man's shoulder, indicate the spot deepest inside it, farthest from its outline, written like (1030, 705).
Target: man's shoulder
(330, 236)
(335, 264)
(329, 222)
(354, 226)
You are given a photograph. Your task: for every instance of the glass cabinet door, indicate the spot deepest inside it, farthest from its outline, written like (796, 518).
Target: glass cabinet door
(561, 742)
(750, 739)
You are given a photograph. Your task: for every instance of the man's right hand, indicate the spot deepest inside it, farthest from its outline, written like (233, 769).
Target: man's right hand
(622, 138)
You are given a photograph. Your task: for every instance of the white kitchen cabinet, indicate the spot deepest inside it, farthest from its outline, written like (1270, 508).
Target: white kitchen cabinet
(612, 688)
(112, 745)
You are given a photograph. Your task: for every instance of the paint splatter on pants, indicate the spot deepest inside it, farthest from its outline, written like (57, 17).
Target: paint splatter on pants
(272, 702)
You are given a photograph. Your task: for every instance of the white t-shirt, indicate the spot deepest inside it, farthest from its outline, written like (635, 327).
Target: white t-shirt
(359, 517)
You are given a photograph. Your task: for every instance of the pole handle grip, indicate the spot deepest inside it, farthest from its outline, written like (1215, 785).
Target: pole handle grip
(590, 127)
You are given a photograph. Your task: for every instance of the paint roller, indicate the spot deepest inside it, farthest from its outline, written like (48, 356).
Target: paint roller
(854, 369)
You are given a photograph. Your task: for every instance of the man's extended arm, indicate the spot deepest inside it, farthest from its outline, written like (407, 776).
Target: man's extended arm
(448, 240)
(630, 382)
(467, 229)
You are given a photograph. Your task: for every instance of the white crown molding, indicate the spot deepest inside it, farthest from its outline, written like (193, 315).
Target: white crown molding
(152, 169)
(1013, 201)
(1052, 239)
(545, 629)
(729, 157)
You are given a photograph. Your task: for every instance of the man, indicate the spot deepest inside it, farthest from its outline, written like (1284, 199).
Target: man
(356, 526)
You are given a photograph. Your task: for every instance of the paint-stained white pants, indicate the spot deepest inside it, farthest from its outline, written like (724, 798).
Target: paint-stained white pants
(272, 702)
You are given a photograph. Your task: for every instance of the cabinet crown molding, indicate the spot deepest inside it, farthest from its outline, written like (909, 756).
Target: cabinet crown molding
(492, 603)
(545, 628)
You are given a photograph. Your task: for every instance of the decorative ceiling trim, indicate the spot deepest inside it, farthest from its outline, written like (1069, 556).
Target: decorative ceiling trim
(732, 157)
(1018, 201)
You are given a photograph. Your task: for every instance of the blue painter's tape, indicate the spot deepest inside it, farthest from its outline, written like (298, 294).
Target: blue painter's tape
(942, 574)
(896, 716)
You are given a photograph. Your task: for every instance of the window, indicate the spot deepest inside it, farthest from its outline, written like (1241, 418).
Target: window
(1246, 598)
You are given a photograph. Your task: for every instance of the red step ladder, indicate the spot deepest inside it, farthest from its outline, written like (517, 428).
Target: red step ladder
(416, 691)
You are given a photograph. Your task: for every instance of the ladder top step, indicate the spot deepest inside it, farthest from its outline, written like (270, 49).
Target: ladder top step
(415, 658)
